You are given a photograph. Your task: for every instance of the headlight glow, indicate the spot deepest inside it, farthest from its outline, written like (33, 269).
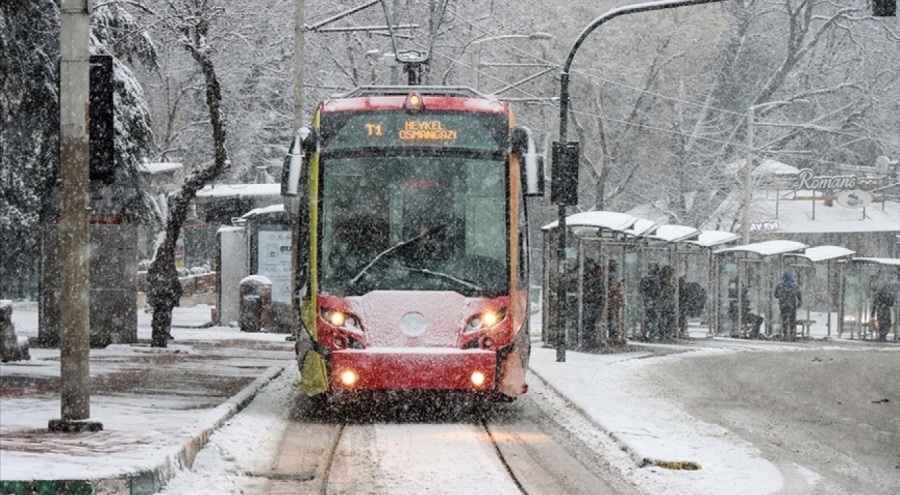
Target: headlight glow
(478, 378)
(349, 378)
(486, 319)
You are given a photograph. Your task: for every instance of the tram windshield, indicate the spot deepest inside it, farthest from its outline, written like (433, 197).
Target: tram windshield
(423, 223)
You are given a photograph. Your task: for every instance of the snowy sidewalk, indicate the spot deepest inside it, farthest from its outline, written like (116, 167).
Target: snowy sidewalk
(157, 406)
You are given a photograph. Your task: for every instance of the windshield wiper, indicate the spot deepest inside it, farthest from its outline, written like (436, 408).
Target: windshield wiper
(459, 281)
(388, 251)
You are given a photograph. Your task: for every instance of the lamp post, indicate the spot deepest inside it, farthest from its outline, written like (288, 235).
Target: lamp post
(568, 154)
(748, 166)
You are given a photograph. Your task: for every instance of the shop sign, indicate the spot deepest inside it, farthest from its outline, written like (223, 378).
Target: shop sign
(807, 180)
(854, 199)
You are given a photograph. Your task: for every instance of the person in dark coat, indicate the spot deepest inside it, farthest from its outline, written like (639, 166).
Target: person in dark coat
(668, 311)
(752, 320)
(592, 304)
(788, 294)
(616, 298)
(650, 291)
(881, 311)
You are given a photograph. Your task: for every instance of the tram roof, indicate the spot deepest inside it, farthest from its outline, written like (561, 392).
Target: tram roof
(372, 98)
(824, 253)
(767, 248)
(610, 220)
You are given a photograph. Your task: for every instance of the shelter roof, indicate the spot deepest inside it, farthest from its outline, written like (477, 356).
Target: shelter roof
(767, 248)
(824, 253)
(158, 168)
(674, 233)
(276, 208)
(641, 227)
(610, 220)
(709, 238)
(880, 261)
(239, 190)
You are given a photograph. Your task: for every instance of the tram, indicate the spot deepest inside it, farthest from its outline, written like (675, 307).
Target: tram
(410, 242)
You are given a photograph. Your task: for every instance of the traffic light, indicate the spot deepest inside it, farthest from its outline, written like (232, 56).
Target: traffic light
(102, 124)
(884, 8)
(564, 180)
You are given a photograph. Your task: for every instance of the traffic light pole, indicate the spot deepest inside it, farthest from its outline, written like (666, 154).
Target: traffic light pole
(563, 139)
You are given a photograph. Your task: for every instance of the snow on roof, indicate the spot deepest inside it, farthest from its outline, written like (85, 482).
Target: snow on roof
(767, 167)
(824, 253)
(277, 208)
(709, 238)
(239, 190)
(674, 233)
(5, 302)
(799, 216)
(880, 261)
(158, 168)
(229, 228)
(767, 248)
(611, 220)
(256, 279)
(641, 227)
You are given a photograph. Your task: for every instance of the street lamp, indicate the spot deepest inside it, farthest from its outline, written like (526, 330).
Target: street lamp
(748, 166)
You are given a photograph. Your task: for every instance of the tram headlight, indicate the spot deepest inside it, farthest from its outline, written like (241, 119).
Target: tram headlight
(487, 319)
(342, 320)
(478, 378)
(348, 378)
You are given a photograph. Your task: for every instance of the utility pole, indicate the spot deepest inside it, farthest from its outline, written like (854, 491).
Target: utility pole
(292, 203)
(748, 177)
(568, 154)
(74, 230)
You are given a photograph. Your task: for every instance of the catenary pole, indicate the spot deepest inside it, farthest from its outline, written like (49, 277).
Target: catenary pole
(293, 202)
(74, 229)
(563, 139)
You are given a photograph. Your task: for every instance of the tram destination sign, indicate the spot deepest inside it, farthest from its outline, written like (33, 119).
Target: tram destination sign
(399, 129)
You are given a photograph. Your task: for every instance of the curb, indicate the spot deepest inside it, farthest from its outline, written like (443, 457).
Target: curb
(151, 481)
(638, 459)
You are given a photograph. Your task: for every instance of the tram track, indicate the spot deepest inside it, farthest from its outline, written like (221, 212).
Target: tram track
(521, 447)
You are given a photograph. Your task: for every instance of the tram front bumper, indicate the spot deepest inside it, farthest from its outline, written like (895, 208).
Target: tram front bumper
(413, 369)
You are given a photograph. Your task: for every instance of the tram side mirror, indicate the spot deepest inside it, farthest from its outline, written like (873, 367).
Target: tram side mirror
(304, 142)
(532, 162)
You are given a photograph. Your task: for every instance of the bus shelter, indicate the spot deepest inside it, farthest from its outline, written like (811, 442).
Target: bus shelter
(594, 275)
(863, 280)
(661, 280)
(746, 277)
(816, 268)
(696, 261)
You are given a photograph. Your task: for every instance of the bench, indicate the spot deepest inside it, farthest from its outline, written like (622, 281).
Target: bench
(805, 326)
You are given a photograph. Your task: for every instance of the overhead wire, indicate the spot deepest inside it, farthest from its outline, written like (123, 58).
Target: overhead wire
(516, 49)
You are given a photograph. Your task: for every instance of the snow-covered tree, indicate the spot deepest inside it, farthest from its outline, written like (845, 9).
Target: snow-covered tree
(29, 136)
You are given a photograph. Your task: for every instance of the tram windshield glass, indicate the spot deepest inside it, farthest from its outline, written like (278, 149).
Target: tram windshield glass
(418, 222)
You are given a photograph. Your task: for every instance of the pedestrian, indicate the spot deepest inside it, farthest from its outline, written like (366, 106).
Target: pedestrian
(592, 304)
(691, 302)
(788, 294)
(668, 311)
(616, 301)
(649, 290)
(751, 320)
(881, 312)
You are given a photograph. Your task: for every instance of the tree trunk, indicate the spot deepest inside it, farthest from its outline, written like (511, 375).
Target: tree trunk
(164, 290)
